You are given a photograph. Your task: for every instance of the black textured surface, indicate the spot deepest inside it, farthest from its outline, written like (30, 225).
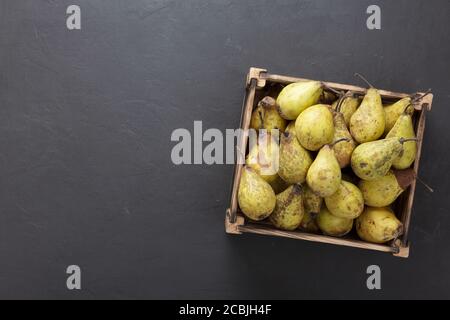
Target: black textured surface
(85, 124)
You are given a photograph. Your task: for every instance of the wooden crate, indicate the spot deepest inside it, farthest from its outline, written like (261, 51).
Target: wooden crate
(259, 82)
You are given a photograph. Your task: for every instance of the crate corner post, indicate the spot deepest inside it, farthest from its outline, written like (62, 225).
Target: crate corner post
(233, 227)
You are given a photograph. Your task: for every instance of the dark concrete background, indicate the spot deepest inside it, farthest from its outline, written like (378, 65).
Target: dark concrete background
(85, 122)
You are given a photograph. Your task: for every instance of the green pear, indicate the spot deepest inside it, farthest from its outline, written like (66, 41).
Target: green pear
(311, 201)
(314, 127)
(266, 116)
(296, 97)
(348, 107)
(294, 160)
(255, 196)
(263, 158)
(332, 225)
(372, 160)
(384, 190)
(404, 128)
(308, 223)
(324, 175)
(378, 225)
(395, 110)
(346, 202)
(343, 150)
(288, 212)
(368, 121)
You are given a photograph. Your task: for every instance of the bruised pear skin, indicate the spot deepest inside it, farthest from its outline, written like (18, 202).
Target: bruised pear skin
(288, 212)
(346, 202)
(348, 107)
(266, 116)
(296, 97)
(368, 122)
(314, 127)
(324, 175)
(382, 191)
(332, 225)
(311, 201)
(294, 160)
(372, 160)
(344, 149)
(308, 223)
(378, 225)
(395, 110)
(404, 128)
(264, 158)
(255, 196)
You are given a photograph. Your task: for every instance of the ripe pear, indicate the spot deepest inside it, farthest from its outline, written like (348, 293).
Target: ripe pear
(324, 175)
(294, 159)
(343, 150)
(348, 107)
(346, 202)
(378, 225)
(332, 225)
(368, 121)
(372, 160)
(314, 127)
(308, 223)
(383, 191)
(255, 196)
(263, 158)
(311, 201)
(403, 128)
(266, 116)
(296, 97)
(395, 110)
(290, 128)
(289, 210)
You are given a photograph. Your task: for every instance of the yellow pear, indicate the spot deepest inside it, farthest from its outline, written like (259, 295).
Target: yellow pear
(348, 107)
(255, 196)
(378, 225)
(296, 97)
(403, 128)
(346, 202)
(395, 110)
(324, 175)
(383, 191)
(288, 212)
(311, 201)
(332, 225)
(343, 150)
(314, 127)
(294, 159)
(368, 121)
(266, 116)
(372, 160)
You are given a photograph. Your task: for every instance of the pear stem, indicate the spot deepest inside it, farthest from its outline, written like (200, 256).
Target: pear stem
(403, 140)
(339, 93)
(363, 79)
(337, 141)
(261, 118)
(424, 184)
(406, 108)
(341, 102)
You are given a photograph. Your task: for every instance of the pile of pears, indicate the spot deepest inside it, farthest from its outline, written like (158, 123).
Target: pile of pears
(343, 159)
